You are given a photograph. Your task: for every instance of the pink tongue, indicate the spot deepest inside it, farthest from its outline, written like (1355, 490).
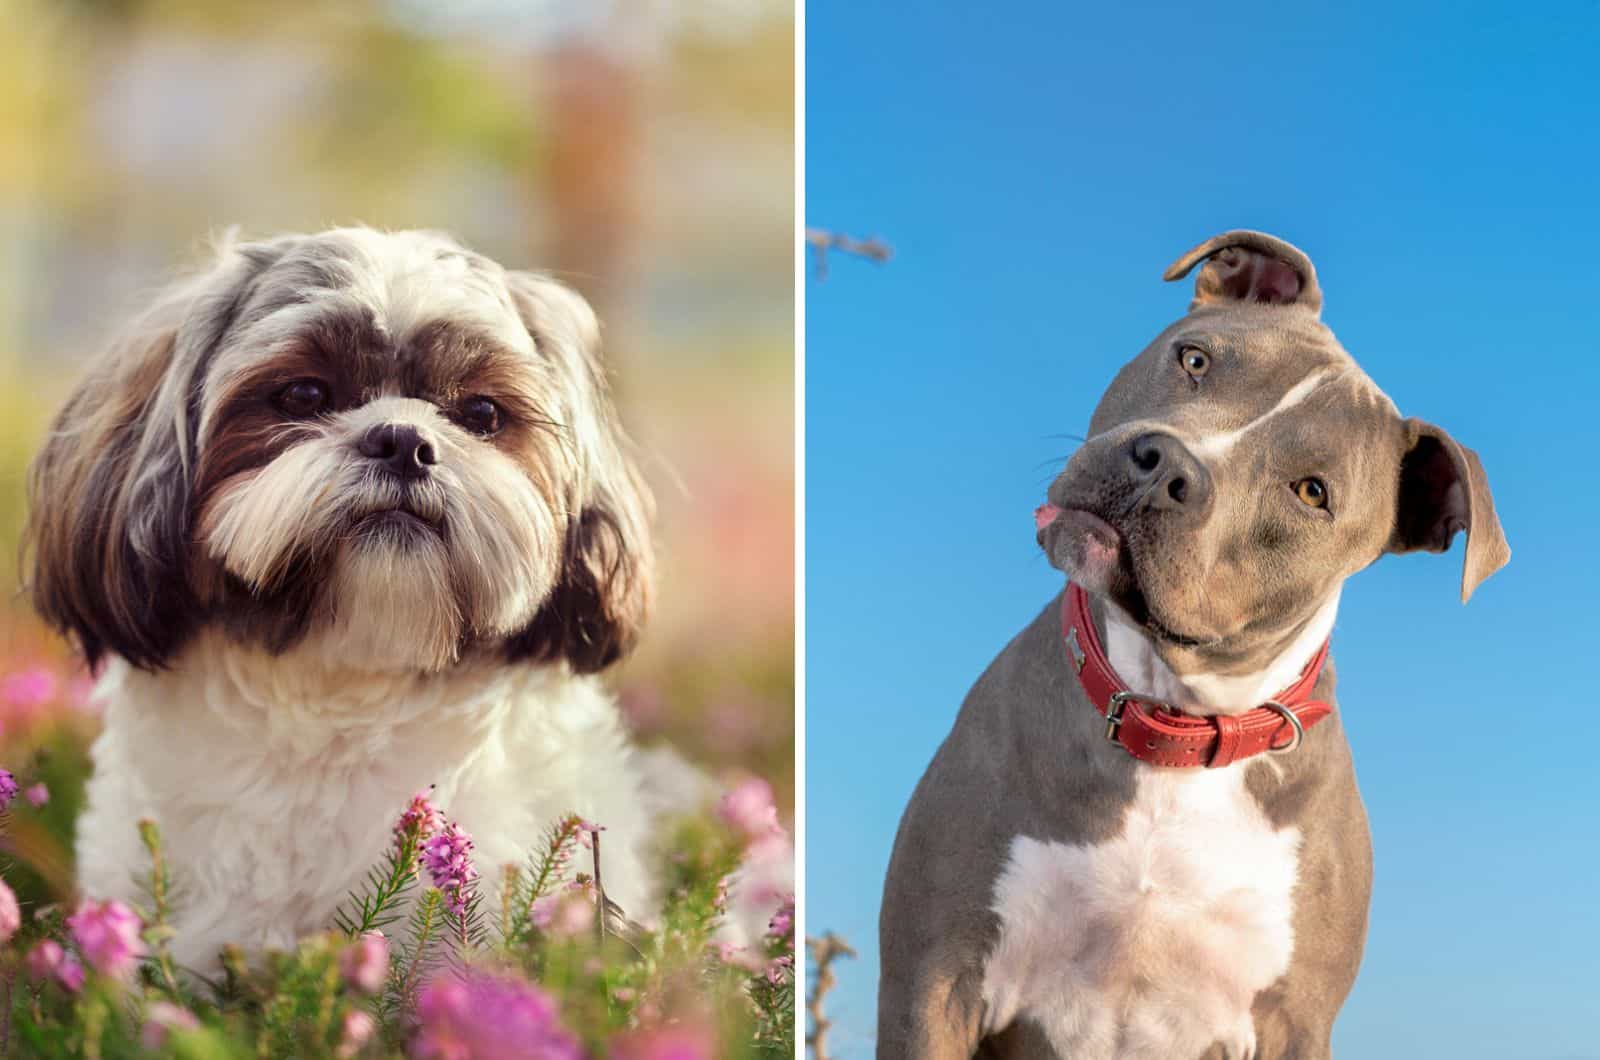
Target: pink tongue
(1044, 515)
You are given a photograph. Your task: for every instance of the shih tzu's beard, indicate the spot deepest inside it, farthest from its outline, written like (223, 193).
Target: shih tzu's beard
(385, 575)
(392, 604)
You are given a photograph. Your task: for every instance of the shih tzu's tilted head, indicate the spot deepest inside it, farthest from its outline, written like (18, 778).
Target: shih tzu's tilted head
(381, 447)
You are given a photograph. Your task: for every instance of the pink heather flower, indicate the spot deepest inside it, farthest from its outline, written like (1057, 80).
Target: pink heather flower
(365, 962)
(781, 926)
(47, 960)
(762, 886)
(484, 1016)
(732, 727)
(107, 934)
(44, 959)
(543, 911)
(10, 912)
(664, 1043)
(567, 912)
(574, 916)
(37, 795)
(643, 708)
(776, 969)
(749, 808)
(421, 815)
(8, 788)
(448, 859)
(162, 1017)
(355, 1031)
(30, 688)
(586, 831)
(71, 974)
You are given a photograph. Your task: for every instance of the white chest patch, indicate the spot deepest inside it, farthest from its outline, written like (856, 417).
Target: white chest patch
(1155, 943)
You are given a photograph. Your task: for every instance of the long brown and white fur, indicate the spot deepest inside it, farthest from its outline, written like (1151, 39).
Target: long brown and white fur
(295, 640)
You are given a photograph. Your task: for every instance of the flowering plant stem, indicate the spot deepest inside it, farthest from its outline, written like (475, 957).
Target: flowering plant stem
(386, 886)
(160, 931)
(424, 920)
(441, 983)
(526, 886)
(599, 889)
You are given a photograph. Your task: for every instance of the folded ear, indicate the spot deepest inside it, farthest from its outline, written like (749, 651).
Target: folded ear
(602, 597)
(106, 545)
(1244, 266)
(1443, 490)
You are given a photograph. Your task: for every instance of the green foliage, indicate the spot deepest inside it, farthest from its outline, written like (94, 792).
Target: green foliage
(388, 886)
(623, 980)
(159, 933)
(418, 955)
(300, 1016)
(521, 888)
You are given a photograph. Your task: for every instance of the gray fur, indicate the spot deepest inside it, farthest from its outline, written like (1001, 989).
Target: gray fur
(1239, 568)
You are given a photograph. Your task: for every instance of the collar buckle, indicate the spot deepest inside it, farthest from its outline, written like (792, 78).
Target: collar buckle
(1165, 734)
(1114, 708)
(1117, 705)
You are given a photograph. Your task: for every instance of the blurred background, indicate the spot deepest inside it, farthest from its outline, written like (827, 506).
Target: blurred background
(642, 150)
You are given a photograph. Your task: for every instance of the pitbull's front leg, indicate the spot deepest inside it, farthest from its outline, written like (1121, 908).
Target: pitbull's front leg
(931, 1009)
(934, 932)
(1294, 1017)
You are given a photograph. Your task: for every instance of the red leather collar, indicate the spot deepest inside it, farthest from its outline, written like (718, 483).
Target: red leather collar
(1154, 732)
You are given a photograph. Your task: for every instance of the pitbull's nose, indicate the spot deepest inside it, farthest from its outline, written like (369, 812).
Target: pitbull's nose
(405, 450)
(1166, 475)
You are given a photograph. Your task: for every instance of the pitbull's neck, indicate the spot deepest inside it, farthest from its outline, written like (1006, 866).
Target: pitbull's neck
(1137, 662)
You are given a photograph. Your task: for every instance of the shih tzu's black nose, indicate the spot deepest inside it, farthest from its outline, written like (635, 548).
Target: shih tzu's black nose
(405, 450)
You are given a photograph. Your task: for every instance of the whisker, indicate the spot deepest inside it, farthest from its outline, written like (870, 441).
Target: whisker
(668, 471)
(562, 433)
(557, 425)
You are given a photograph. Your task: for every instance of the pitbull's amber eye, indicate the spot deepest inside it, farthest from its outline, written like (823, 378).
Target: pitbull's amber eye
(303, 398)
(1195, 361)
(1312, 492)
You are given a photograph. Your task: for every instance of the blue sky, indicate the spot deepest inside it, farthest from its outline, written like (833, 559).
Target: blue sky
(1036, 166)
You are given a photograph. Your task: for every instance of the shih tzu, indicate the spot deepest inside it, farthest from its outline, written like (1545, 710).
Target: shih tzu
(345, 515)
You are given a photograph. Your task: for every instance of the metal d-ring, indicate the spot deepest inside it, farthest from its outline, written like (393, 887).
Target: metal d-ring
(1289, 716)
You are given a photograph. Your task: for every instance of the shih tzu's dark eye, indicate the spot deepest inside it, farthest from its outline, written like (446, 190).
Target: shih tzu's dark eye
(1195, 361)
(480, 416)
(302, 398)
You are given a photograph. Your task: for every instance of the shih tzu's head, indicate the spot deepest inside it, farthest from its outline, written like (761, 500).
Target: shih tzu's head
(381, 446)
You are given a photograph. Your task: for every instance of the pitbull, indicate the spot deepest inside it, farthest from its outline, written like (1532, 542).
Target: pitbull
(1143, 838)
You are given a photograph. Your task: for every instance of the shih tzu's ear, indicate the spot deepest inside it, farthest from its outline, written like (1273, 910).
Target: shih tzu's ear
(106, 542)
(603, 592)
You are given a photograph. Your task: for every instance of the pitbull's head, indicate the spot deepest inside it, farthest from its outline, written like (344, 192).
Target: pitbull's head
(1243, 465)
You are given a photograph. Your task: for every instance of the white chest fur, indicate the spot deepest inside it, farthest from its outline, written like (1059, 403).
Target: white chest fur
(1154, 943)
(276, 783)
